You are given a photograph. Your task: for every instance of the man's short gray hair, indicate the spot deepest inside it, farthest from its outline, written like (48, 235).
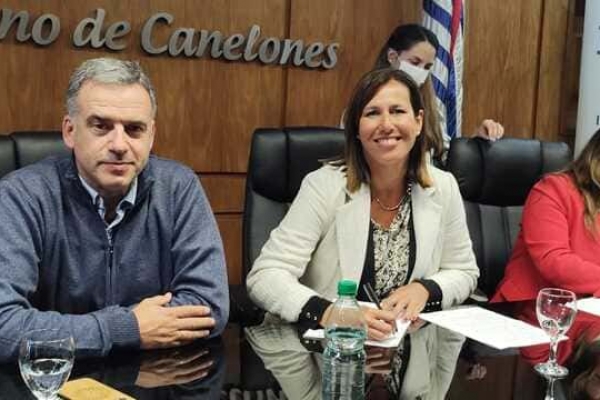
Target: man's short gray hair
(107, 70)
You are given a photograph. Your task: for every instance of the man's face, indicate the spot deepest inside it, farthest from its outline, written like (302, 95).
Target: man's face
(111, 135)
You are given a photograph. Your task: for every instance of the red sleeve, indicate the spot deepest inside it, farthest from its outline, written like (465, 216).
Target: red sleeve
(546, 233)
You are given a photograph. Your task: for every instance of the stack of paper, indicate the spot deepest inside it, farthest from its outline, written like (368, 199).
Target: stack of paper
(488, 327)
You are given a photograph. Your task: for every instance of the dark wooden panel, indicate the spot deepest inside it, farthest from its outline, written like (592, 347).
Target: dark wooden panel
(210, 108)
(501, 64)
(207, 108)
(230, 226)
(571, 68)
(225, 192)
(552, 53)
(31, 76)
(360, 27)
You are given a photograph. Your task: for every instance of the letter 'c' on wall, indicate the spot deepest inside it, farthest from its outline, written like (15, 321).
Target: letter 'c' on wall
(146, 39)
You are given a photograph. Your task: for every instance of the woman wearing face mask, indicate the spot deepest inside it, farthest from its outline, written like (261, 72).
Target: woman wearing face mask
(412, 48)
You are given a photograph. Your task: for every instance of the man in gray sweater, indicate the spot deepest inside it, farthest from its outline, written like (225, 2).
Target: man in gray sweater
(114, 246)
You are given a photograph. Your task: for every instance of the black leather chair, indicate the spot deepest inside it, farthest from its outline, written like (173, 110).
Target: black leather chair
(33, 146)
(279, 160)
(8, 160)
(495, 179)
(22, 148)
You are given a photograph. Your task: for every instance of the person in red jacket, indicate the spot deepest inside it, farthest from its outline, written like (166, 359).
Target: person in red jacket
(559, 242)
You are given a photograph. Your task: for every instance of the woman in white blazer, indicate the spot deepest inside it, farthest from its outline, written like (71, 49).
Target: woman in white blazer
(381, 214)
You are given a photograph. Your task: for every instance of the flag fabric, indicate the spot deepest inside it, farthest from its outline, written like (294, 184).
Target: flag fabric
(445, 19)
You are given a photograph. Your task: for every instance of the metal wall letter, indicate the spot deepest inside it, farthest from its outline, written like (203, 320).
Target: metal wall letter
(182, 41)
(38, 26)
(146, 39)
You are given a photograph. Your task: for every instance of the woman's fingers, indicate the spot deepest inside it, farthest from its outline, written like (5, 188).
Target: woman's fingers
(379, 323)
(408, 301)
(490, 129)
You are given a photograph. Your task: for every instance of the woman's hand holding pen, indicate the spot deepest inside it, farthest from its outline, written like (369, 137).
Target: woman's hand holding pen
(380, 323)
(408, 301)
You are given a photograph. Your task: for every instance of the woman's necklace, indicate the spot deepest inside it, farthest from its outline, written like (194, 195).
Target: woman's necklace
(397, 206)
(386, 208)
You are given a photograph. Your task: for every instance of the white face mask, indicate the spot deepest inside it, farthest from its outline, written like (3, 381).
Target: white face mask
(418, 74)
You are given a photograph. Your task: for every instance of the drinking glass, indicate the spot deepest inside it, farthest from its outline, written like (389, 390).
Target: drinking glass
(555, 309)
(45, 361)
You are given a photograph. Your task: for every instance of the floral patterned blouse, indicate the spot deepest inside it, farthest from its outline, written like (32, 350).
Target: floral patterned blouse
(392, 248)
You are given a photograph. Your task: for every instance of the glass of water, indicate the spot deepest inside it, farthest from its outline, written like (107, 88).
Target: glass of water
(555, 309)
(45, 361)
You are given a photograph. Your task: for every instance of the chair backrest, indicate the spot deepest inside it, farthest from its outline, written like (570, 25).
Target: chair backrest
(22, 148)
(8, 161)
(495, 179)
(279, 160)
(33, 146)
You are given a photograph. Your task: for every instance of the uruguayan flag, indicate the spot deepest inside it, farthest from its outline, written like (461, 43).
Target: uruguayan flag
(445, 19)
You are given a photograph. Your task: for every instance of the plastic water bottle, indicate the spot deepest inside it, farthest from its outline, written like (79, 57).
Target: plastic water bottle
(344, 356)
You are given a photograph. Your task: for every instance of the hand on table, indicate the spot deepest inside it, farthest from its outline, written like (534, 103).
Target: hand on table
(162, 326)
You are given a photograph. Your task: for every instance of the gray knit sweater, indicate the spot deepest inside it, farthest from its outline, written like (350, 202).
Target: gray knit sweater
(59, 270)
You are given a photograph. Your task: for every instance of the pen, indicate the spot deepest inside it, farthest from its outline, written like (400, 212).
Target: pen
(372, 296)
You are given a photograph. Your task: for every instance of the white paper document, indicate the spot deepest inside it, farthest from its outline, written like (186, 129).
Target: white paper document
(488, 327)
(590, 305)
(392, 341)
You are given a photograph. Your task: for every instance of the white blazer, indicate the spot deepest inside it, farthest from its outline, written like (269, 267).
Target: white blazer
(323, 238)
